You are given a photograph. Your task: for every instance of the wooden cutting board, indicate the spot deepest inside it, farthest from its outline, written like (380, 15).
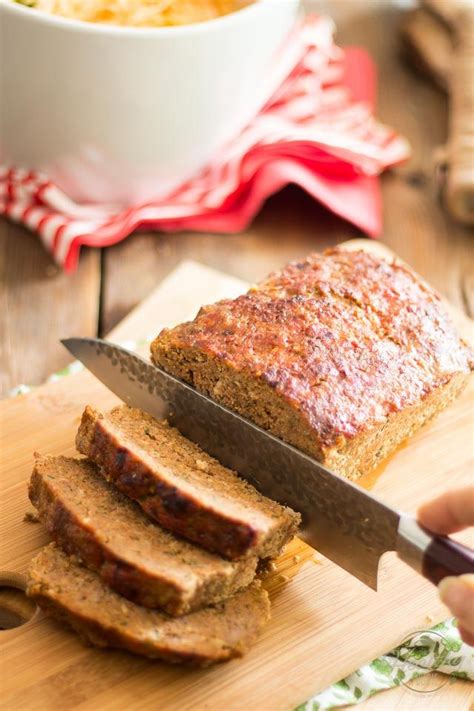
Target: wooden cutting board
(325, 623)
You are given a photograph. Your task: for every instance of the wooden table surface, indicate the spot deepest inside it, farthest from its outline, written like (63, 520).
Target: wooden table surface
(39, 304)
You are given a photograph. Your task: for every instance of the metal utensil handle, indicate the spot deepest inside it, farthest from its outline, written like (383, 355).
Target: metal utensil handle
(435, 557)
(459, 195)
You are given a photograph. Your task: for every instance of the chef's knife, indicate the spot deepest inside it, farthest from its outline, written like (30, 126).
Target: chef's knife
(341, 520)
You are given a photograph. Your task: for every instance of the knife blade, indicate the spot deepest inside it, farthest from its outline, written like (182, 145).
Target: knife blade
(346, 523)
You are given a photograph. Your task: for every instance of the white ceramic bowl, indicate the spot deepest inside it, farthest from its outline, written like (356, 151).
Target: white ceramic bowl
(121, 113)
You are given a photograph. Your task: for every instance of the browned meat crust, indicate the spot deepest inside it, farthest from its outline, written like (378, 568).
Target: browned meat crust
(182, 487)
(342, 354)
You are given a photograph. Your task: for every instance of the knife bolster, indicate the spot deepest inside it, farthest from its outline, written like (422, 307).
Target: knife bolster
(435, 557)
(412, 542)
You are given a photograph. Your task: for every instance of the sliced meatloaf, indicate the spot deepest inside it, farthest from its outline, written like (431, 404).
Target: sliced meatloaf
(109, 533)
(182, 487)
(343, 355)
(77, 596)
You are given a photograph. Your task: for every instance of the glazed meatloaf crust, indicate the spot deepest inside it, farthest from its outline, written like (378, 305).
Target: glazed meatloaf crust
(182, 487)
(110, 534)
(76, 596)
(343, 355)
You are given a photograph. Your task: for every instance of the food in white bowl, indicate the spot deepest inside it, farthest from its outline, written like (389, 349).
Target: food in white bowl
(138, 13)
(121, 113)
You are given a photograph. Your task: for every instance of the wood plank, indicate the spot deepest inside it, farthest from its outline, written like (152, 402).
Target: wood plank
(145, 320)
(323, 620)
(290, 225)
(39, 304)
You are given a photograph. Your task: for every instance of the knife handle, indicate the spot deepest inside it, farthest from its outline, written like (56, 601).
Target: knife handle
(435, 557)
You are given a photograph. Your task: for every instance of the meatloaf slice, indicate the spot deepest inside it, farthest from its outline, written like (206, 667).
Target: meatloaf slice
(342, 354)
(110, 534)
(182, 487)
(75, 595)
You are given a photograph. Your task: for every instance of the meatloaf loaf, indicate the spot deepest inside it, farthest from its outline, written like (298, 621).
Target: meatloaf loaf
(111, 535)
(343, 355)
(77, 596)
(182, 487)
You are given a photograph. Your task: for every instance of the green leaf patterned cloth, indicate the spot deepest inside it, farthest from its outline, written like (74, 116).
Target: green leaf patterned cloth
(437, 649)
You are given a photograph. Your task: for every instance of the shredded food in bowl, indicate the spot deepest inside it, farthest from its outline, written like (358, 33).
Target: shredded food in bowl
(138, 13)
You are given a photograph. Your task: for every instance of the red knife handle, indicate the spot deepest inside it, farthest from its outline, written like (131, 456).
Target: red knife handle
(435, 557)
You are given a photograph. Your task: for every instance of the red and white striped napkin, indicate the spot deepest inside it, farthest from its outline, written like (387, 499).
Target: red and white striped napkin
(317, 131)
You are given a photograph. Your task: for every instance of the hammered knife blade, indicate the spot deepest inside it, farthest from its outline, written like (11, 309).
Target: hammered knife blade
(346, 523)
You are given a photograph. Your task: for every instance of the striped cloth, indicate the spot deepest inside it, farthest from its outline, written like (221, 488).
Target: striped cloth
(317, 131)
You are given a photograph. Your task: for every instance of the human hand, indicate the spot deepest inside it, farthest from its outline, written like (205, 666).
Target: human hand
(451, 512)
